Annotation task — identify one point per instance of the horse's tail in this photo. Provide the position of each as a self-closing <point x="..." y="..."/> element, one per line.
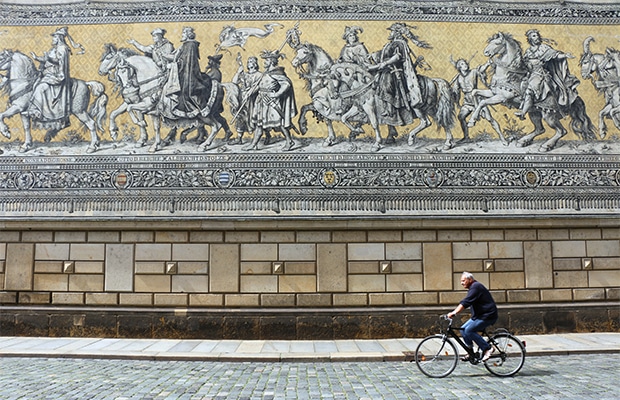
<point x="232" y="95"/>
<point x="98" y="110"/>
<point x="445" y="113"/>
<point x="580" y="122"/>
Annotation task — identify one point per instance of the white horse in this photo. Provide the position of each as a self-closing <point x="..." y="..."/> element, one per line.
<point x="340" y="92"/>
<point x="604" y="72"/>
<point x="19" y="85"/>
<point x="139" y="80"/>
<point x="505" y="88"/>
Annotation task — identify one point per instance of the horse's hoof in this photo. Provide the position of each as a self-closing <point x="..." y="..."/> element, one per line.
<point x="289" y="146"/>
<point x="92" y="148"/>
<point x="206" y="146"/>
<point x="236" y="140"/>
<point x="411" y="140"/>
<point x="523" y="143"/>
<point x="328" y="142"/>
<point x="376" y="147"/>
<point x="545" y="148"/>
<point x="465" y="140"/>
<point x="25" y="147"/>
<point x="7" y="134"/>
<point x="448" y="145"/>
<point x="155" y="147"/>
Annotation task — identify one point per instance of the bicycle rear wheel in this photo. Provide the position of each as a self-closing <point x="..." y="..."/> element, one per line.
<point x="436" y="356"/>
<point x="508" y="357"/>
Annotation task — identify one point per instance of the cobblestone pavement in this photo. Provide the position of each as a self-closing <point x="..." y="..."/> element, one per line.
<point x="546" y="377"/>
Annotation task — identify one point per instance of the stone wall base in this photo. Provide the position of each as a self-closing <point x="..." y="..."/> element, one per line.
<point x="291" y="324"/>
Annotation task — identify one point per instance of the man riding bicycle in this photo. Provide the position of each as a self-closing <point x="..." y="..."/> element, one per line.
<point x="483" y="313"/>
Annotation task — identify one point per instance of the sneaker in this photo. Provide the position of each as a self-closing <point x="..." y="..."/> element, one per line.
<point x="487" y="354"/>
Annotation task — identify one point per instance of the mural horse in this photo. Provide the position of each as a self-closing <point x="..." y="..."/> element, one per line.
<point x="139" y="80"/>
<point x="603" y="70"/>
<point x="19" y="84"/>
<point x="340" y="92"/>
<point x="506" y="88"/>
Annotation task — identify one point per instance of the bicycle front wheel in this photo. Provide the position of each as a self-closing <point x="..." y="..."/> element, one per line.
<point x="508" y="357"/>
<point x="436" y="356"/>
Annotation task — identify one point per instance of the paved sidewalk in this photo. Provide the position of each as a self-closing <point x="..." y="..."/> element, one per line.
<point x="277" y="350"/>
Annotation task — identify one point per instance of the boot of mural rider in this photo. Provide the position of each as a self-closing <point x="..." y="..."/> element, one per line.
<point x="525" y="106"/>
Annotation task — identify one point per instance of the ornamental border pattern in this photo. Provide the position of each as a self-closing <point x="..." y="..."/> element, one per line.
<point x="309" y="186"/>
<point x="180" y="10"/>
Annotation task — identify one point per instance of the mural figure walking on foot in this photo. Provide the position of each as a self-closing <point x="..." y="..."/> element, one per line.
<point x="466" y="81"/>
<point x="275" y="105"/>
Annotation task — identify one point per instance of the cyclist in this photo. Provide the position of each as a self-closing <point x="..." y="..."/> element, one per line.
<point x="483" y="314"/>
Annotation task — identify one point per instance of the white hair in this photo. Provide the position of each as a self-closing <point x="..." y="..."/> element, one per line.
<point x="468" y="275"/>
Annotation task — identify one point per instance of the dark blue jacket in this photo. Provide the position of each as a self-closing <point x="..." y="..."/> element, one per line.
<point x="481" y="302"/>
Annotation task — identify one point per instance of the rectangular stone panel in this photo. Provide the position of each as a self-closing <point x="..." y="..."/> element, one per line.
<point x="538" y="264"/>
<point x="224" y="268"/>
<point x="52" y="251"/>
<point x="190" y="252"/>
<point x="153" y="251"/>
<point x="403" y="251"/>
<point x="190" y="283"/>
<point x="470" y="250"/>
<point x="437" y="266"/>
<point x="331" y="267"/>
<point x="297" y="252"/>
<point x="19" y="266"/>
<point x="366" y="251"/>
<point x="87" y="252"/>
<point x="569" y="248"/>
<point x="297" y="284"/>
<point x="603" y="248"/>
<point x="259" y="252"/>
<point x="119" y="267"/>
<point x="259" y="284"/>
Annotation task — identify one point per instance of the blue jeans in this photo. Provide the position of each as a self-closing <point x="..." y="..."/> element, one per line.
<point x="471" y="329"/>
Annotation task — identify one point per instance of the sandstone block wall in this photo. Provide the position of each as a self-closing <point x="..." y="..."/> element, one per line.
<point x="248" y="267"/>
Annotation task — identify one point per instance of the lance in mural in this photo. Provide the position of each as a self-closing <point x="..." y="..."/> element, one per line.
<point x="466" y="82"/>
<point x="550" y="90"/>
<point x="603" y="70"/>
<point x="48" y="95"/>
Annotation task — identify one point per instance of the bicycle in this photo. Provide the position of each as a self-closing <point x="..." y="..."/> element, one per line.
<point x="437" y="356"/>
